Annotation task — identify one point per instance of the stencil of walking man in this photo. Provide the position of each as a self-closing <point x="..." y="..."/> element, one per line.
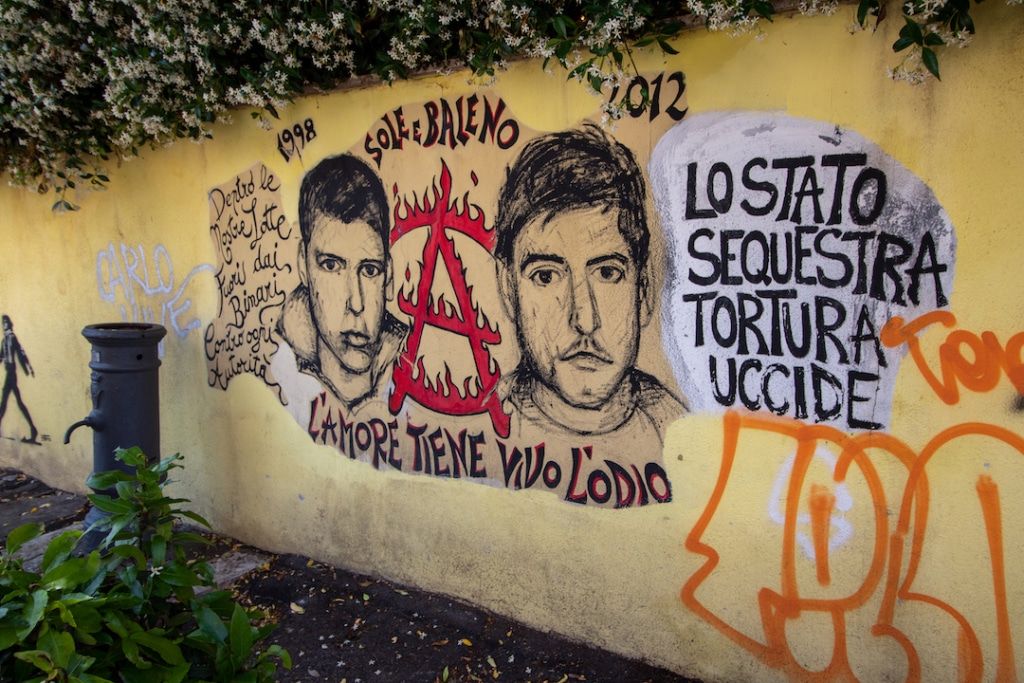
<point x="11" y="351"/>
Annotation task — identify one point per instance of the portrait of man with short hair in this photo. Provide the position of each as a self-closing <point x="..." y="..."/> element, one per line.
<point x="335" y="322"/>
<point x="575" y="277"/>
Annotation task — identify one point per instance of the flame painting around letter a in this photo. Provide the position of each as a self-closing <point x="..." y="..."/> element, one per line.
<point x="477" y="394"/>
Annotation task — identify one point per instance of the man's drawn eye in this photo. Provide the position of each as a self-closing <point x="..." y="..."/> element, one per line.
<point x="331" y="264"/>
<point x="609" y="273"/>
<point x="370" y="270"/>
<point x="543" y="277"/>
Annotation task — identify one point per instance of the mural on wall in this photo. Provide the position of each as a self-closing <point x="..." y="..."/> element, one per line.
<point x="255" y="248"/>
<point x="334" y="325"/>
<point x="804" y="264"/>
<point x="573" y="248"/>
<point x="460" y="296"/>
<point x="141" y="284"/>
<point x="14" y="355"/>
<point x="436" y="309"/>
<point x="793" y="243"/>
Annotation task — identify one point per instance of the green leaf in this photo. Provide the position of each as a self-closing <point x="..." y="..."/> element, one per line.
<point x="210" y="624"/>
<point x="87" y="618"/>
<point x="72" y="572"/>
<point x="934" y="39"/>
<point x="558" y="22"/>
<point x="764" y="9"/>
<point x="129" y="551"/>
<point x="22" y="535"/>
<point x="125" y="489"/>
<point x="8" y="637"/>
<point x="902" y="44"/>
<point x="190" y="537"/>
<point x="116" y="622"/>
<point x="241" y="636"/>
<point x="89" y="678"/>
<point x="59" y="549"/>
<point x="72" y="599"/>
<point x="131" y="652"/>
<point x="110" y="505"/>
<point x="116" y="524"/>
<point x="913" y="30"/>
<point x="279" y="652"/>
<point x="102" y="481"/>
<point x="97" y="580"/>
<point x="65" y="614"/>
<point x="158" y="549"/>
<point x="220" y="601"/>
<point x="179" y="574"/>
<point x="666" y="47"/>
<point x="931" y="61"/>
<point x="37" y="658"/>
<point x="59" y="645"/>
<point x="33" y="611"/>
<point x="133" y="456"/>
<point x="176" y="674"/>
<point x="129" y="577"/>
<point x="195" y="517"/>
<point x="164" y="529"/>
<point x="167" y="650"/>
<point x="78" y="664"/>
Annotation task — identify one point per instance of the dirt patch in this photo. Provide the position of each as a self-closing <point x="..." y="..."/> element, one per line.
<point x="343" y="626"/>
<point x="24" y="499"/>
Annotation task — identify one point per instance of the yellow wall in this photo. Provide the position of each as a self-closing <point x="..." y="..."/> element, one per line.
<point x="925" y="581"/>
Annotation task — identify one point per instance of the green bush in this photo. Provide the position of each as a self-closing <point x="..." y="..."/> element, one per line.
<point x="86" y="84"/>
<point x="130" y="610"/>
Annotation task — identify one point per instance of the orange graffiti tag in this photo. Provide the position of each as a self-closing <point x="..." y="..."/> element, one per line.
<point x="887" y="570"/>
<point x="979" y="369"/>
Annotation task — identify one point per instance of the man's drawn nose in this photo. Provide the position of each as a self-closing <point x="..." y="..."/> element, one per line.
<point x="355" y="294"/>
<point x="584" y="316"/>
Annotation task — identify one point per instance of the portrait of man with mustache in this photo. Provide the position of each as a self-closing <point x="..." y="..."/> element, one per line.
<point x="335" y="323"/>
<point x="574" y="274"/>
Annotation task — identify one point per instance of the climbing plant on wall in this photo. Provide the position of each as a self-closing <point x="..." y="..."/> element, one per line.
<point x="89" y="82"/>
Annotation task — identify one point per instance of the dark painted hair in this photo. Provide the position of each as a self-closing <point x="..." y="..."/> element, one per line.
<point x="345" y="188"/>
<point x="568" y="171"/>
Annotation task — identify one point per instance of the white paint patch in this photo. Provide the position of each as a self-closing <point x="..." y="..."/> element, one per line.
<point x="840" y="529"/>
<point x="143" y="289"/>
<point x="791" y="243"/>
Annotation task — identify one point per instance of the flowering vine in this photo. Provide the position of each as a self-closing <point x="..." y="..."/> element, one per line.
<point x="88" y="82"/>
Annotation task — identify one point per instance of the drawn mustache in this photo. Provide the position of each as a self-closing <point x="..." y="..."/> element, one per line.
<point x="586" y="347"/>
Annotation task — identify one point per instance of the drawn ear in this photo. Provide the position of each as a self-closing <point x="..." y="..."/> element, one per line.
<point x="303" y="274"/>
<point x="506" y="290"/>
<point x="646" y="293"/>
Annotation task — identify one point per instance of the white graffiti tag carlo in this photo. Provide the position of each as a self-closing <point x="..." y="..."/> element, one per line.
<point x="792" y="243"/>
<point x="144" y="289"/>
